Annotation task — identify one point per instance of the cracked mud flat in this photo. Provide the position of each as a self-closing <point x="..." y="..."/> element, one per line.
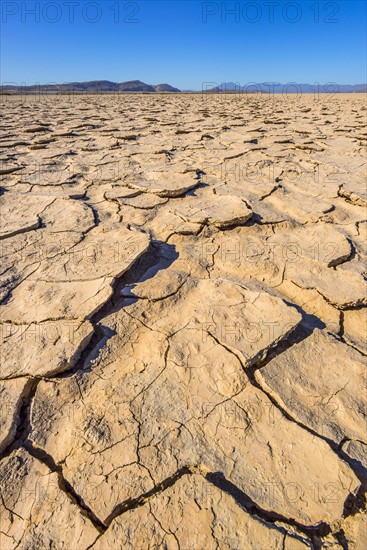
<point x="183" y="322"/>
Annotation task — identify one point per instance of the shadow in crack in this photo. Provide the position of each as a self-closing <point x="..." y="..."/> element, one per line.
<point x="360" y="469"/>
<point x="301" y="332"/>
<point x="309" y="321"/>
<point x="219" y="480"/>
<point x="99" y="339"/>
<point x="158" y="256"/>
<point x="192" y="192"/>
<point x="166" y="255"/>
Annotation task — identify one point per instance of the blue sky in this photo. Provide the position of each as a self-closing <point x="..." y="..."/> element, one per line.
<point x="184" y="43"/>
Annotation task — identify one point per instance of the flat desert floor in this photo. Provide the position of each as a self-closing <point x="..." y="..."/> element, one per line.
<point x="183" y="321"/>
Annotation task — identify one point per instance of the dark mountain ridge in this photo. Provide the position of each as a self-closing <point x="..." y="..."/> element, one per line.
<point x="94" y="86"/>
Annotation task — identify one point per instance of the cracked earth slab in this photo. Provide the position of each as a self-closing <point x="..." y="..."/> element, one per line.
<point x="354" y="192"/>
<point x="216" y="211"/>
<point x="329" y="400"/>
<point x="164" y="183"/>
<point x="33" y="505"/>
<point x="355" y="325"/>
<point x="41" y="349"/>
<point x="20" y="213"/>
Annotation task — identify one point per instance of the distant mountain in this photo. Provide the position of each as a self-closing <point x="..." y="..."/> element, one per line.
<point x="94" y="86"/>
<point x="165" y="88"/>
<point x="135" y="86"/>
<point x="289" y="88"/>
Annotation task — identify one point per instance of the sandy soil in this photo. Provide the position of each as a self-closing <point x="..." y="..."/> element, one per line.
<point x="183" y="316"/>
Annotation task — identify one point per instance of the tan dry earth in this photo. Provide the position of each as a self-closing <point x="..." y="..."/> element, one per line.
<point x="183" y="322"/>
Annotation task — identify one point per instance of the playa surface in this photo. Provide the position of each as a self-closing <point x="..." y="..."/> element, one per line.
<point x="183" y="321"/>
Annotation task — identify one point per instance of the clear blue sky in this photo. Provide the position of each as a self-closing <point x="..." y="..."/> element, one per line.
<point x="184" y="43"/>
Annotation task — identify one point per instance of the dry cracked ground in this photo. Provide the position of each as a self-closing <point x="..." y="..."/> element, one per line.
<point x="184" y="322"/>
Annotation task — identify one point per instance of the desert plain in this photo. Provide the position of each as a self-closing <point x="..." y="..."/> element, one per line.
<point x="183" y="322"/>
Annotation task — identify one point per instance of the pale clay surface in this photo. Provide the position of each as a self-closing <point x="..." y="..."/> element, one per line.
<point x="183" y="322"/>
